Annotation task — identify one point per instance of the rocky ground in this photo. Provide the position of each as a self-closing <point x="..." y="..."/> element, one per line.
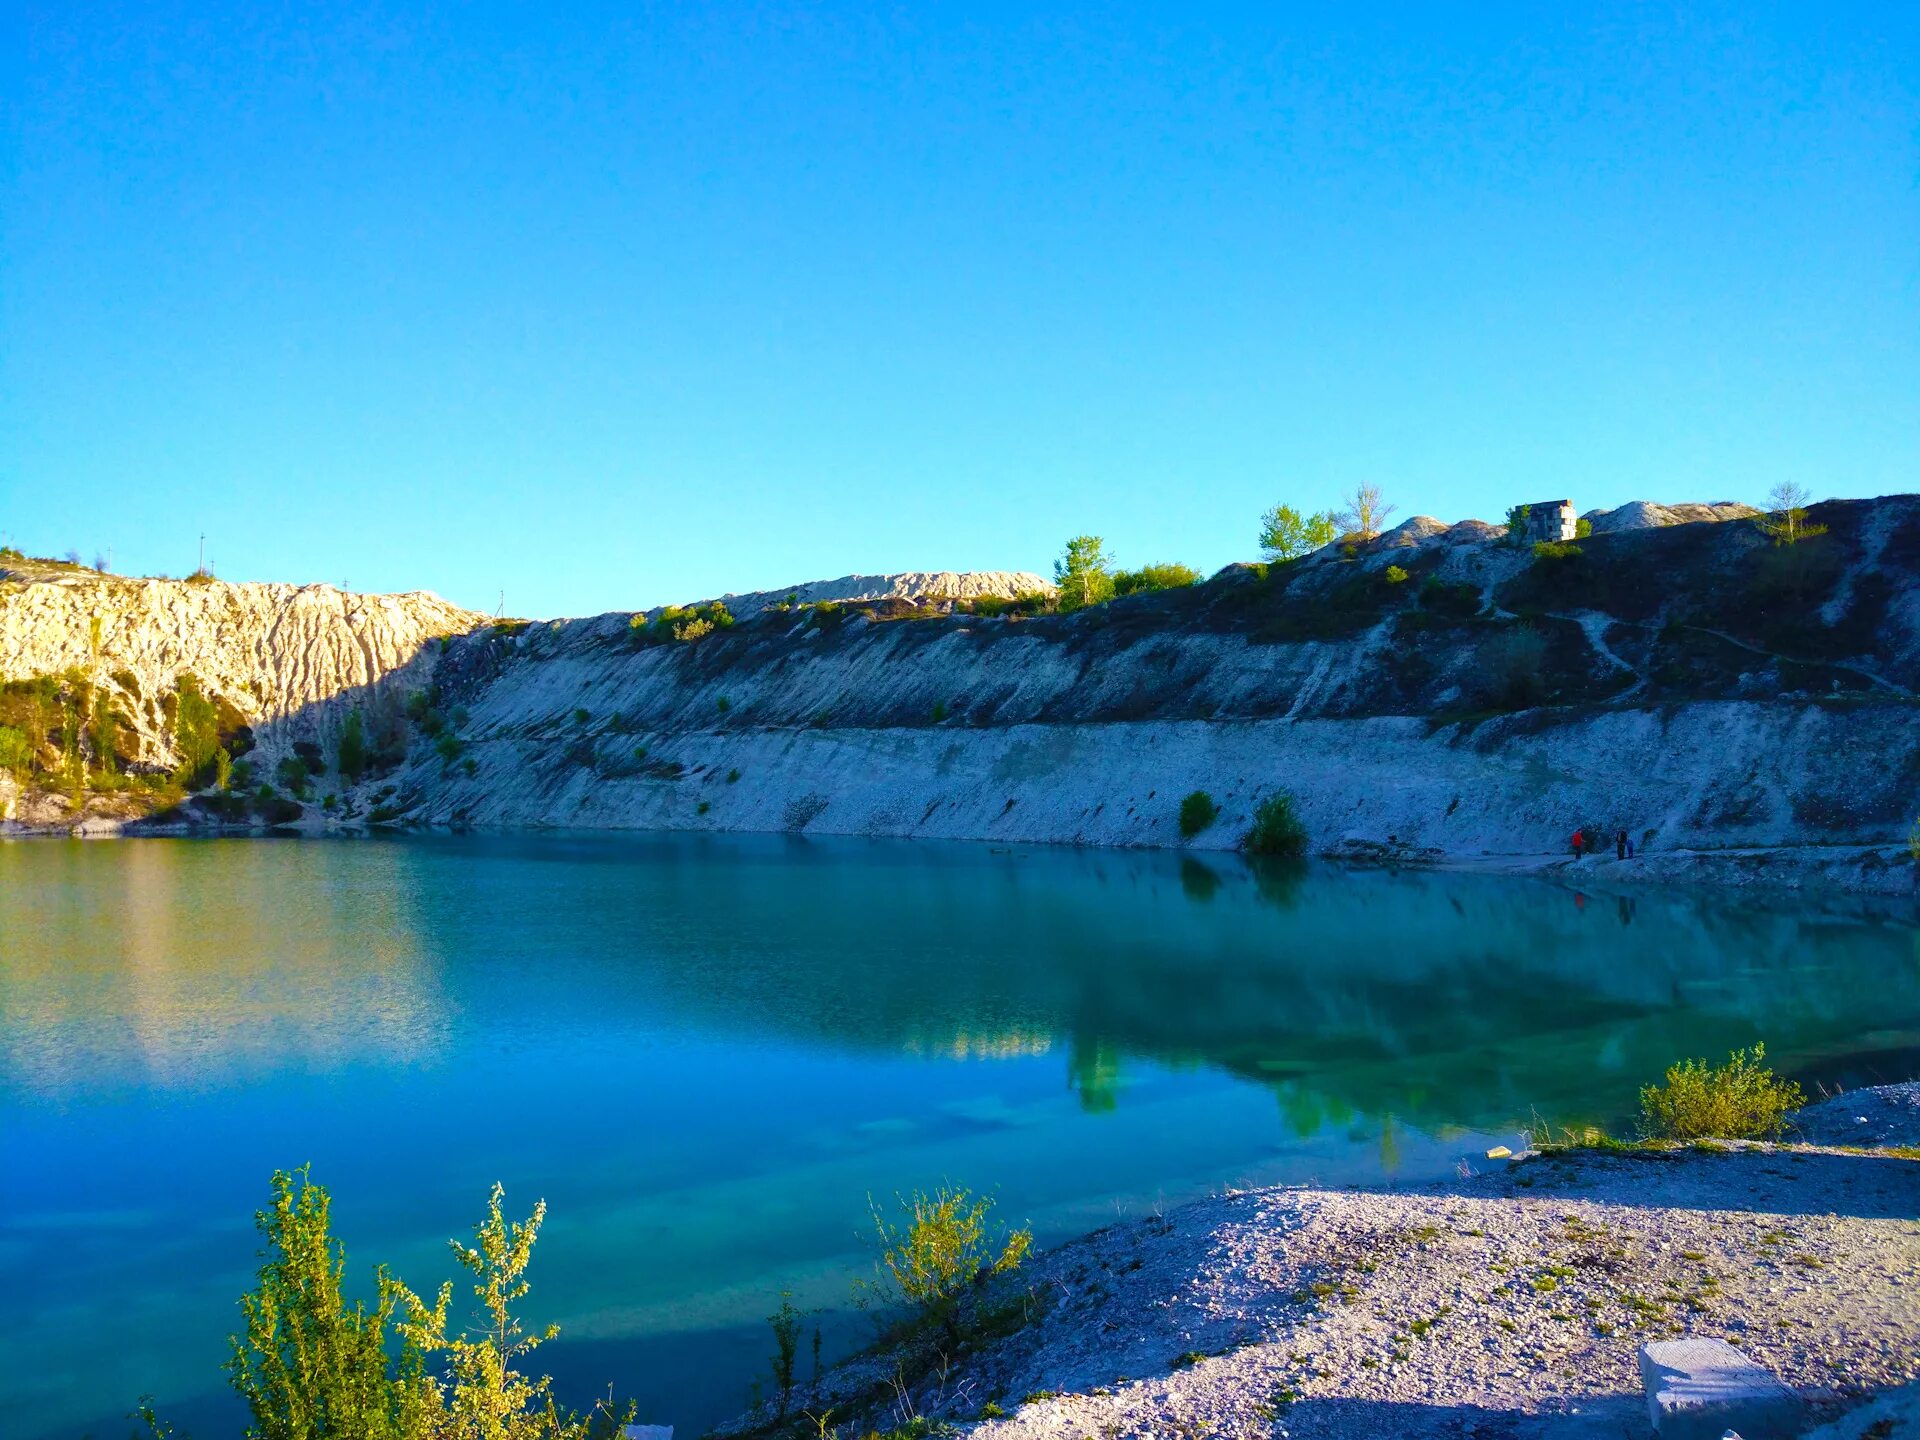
<point x="1508" y="1303"/>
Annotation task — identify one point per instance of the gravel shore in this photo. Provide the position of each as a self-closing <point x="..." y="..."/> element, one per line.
<point x="1508" y="1303"/>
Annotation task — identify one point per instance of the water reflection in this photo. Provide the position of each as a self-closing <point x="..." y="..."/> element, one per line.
<point x="705" y="1051"/>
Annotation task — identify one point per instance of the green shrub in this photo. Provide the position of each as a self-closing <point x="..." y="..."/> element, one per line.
<point x="1461" y="602"/>
<point x="1741" y="1100"/>
<point x="1552" y="552"/>
<point x="1513" y="668"/>
<point x="939" y="711"/>
<point x="1197" y="812"/>
<point x="309" y="1365"/>
<point x="351" y="755"/>
<point x="581" y="716"/>
<point x="1396" y="576"/>
<point x="785" y="1323"/>
<point x="939" y="1246"/>
<point x="196" y="731"/>
<point x="16" y="751"/>
<point x="275" y="809"/>
<point x="1277" y="828"/>
<point x="1155" y="577"/>
<point x="703" y="807"/>
<point x="677" y="622"/>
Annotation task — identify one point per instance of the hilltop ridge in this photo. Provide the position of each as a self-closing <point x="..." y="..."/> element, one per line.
<point x="1439" y="690"/>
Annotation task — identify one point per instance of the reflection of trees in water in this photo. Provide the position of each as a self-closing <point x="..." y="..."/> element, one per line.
<point x="1442" y="999"/>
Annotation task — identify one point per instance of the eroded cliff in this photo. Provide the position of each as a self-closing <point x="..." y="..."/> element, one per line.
<point x="1437" y="689"/>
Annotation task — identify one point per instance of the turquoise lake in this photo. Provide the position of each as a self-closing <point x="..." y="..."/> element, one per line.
<point x="706" y="1052"/>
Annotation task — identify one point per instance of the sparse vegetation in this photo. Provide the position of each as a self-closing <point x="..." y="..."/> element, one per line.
<point x="1277" y="828"/>
<point x="1197" y="812"/>
<point x="1083" y="574"/>
<point x="1741" y="1100"/>
<point x="786" y="1339"/>
<point x="1366" y="514"/>
<point x="1154" y="577"/>
<point x="1513" y="668"/>
<point x="310" y="1366"/>
<point x="684" y="623"/>
<point x="351" y="756"/>
<point x="938" y="1246"/>
<point x="1286" y="534"/>
<point x="1786" y="518"/>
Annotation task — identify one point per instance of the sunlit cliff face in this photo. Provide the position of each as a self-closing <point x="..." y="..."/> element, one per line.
<point x="173" y="977"/>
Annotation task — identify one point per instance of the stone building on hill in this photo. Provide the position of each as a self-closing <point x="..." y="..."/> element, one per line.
<point x="1550" y="520"/>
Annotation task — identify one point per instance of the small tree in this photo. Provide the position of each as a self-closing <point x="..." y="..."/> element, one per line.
<point x="1786" y="520"/>
<point x="1286" y="534"/>
<point x="1084" y="573"/>
<point x="352" y="755"/>
<point x="786" y="1340"/>
<point x="942" y="1248"/>
<point x="310" y="1367"/>
<point x="490" y="1399"/>
<point x="196" y="729"/>
<point x="1366" y="514"/>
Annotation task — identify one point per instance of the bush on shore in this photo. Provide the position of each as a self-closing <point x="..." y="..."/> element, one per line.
<point x="938" y="1248"/>
<point x="1277" y="828"/>
<point x="311" y="1366"/>
<point x="1741" y="1100"/>
<point x="1197" y="812"/>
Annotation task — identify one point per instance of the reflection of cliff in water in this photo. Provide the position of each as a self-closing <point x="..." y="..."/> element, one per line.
<point x="1441" y="998"/>
<point x="206" y="961"/>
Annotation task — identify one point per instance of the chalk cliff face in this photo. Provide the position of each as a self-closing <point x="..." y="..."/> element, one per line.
<point x="287" y="660"/>
<point x="1692" y="683"/>
<point x="1437" y="689"/>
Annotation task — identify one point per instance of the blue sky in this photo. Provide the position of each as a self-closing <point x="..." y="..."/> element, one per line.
<point x="602" y="307"/>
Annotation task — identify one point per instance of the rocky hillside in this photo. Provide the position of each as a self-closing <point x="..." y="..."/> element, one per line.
<point x="1439" y="688"/>
<point x="92" y="670"/>
<point x="1676" y="673"/>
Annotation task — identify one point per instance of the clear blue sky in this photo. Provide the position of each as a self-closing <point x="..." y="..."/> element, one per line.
<point x="610" y="306"/>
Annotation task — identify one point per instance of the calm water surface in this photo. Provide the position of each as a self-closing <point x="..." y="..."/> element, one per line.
<point x="706" y="1052"/>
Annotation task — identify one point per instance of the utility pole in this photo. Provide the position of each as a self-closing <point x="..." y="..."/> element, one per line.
<point x="202" y="568"/>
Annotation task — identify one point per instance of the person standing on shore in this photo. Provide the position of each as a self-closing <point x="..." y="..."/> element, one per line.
<point x="1620" y="844"/>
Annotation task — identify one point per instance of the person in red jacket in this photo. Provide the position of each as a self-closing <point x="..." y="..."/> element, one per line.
<point x="1579" y="843"/>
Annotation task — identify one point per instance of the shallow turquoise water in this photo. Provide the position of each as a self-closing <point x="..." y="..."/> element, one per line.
<point x="705" y="1053"/>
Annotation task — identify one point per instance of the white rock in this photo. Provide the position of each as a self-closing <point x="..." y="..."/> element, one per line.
<point x="1698" y="1389"/>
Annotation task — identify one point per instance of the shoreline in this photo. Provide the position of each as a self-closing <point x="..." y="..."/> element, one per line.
<point x="1506" y="1303"/>
<point x="1884" y="870"/>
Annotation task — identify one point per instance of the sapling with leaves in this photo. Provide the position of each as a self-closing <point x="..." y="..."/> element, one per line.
<point x="939" y="1246"/>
